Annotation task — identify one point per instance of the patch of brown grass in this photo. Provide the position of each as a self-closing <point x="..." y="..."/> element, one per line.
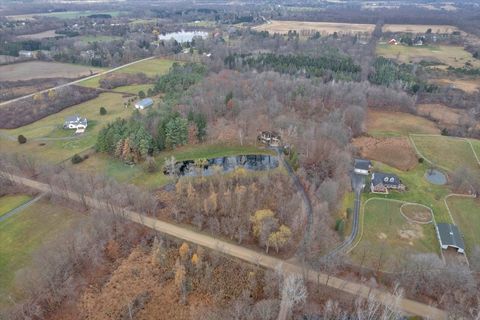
<point x="444" y="115"/>
<point x="386" y="123"/>
<point x="418" y="28"/>
<point x="394" y="151"/>
<point x="467" y="85"/>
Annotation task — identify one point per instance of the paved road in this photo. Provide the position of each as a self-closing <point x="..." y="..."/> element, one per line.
<point x="21" y="207"/>
<point x="76" y="81"/>
<point x="251" y="256"/>
<point x="358" y="181"/>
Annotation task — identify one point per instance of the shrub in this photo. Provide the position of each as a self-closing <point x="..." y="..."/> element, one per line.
<point x="421" y="160"/>
<point x="349" y="212"/>
<point x="444" y="132"/>
<point x="21" y="139"/>
<point x="76" y="159"/>
<point x="103" y="111"/>
<point x="141" y="94"/>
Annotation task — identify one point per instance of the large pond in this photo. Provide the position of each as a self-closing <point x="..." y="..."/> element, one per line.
<point x="183" y="36"/>
<point x="436" y="177"/>
<point x="224" y="164"/>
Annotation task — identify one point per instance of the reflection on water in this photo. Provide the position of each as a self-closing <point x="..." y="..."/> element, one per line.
<point x="183" y="36"/>
<point x="224" y="164"/>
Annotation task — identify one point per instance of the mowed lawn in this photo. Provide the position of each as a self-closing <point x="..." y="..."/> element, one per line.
<point x="151" y="68"/>
<point x="388" y="238"/>
<point x="10" y="202"/>
<point x="446" y="152"/>
<point x="22" y="233"/>
<point x="385" y="123"/>
<point x="455" y="56"/>
<point x="466" y="213"/>
<point x="135" y="174"/>
<point x="51" y="128"/>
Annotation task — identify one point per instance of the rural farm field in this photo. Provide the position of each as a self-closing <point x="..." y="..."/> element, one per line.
<point x="10" y="202"/>
<point x="41" y="69"/>
<point x="454" y="56"/>
<point x="283" y="27"/>
<point x="418" y="28"/>
<point x="22" y="233"/>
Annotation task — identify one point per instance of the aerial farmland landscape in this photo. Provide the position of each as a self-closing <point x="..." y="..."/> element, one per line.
<point x="291" y="159"/>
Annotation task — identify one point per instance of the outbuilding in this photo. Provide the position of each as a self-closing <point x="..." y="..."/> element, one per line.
<point x="145" y="103"/>
<point x="449" y="237"/>
<point x="362" y="166"/>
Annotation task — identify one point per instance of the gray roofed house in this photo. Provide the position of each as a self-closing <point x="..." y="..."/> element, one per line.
<point x="362" y="166"/>
<point x="449" y="236"/>
<point x="382" y="182"/>
<point x="145" y="103"/>
<point x="73" y="122"/>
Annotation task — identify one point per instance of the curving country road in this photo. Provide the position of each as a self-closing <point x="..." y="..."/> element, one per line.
<point x="259" y="258"/>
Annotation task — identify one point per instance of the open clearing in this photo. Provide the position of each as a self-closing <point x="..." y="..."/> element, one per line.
<point x="96" y="38"/>
<point x="385" y="123"/>
<point x="10" y="202"/>
<point x="40" y="35"/>
<point x="50" y="131"/>
<point x="416" y="213"/>
<point x="446" y="152"/>
<point x="418" y="28"/>
<point x="467" y="85"/>
<point x="21" y="234"/>
<point x="276" y="26"/>
<point x="466" y="213"/>
<point x="454" y="56"/>
<point x="151" y="68"/>
<point x="388" y="238"/>
<point x="41" y="69"/>
<point x="394" y="151"/>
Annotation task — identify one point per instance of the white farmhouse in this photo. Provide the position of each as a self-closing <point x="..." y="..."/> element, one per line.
<point x="76" y="122"/>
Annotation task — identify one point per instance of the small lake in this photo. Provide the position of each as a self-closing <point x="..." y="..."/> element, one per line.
<point x="183" y="36"/>
<point x="436" y="177"/>
<point x="208" y="167"/>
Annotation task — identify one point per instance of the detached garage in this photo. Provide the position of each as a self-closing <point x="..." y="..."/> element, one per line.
<point x="449" y="236"/>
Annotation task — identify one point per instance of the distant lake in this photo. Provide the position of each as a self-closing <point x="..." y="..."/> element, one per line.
<point x="183" y="36"/>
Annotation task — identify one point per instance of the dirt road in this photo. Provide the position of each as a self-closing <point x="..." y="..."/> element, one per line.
<point x="251" y="256"/>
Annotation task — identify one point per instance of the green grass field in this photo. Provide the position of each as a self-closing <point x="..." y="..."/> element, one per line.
<point x="455" y="56"/>
<point x="466" y="213"/>
<point x="22" y="233"/>
<point x="134" y="89"/>
<point x="394" y="124"/>
<point x="388" y="237"/>
<point x="51" y="127"/>
<point x="151" y="68"/>
<point x="446" y="152"/>
<point x="10" y="202"/>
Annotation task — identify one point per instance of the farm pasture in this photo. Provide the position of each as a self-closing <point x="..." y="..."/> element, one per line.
<point x="455" y="56"/>
<point x="442" y="114"/>
<point x="283" y="27"/>
<point x="467" y="85"/>
<point x="385" y="123"/>
<point x="42" y="69"/>
<point x="24" y="232"/>
<point x="388" y="238"/>
<point x="61" y="15"/>
<point x="394" y="151"/>
<point x="446" y="152"/>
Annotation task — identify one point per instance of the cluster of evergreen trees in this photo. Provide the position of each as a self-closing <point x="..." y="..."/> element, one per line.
<point x="387" y="73"/>
<point x="341" y="66"/>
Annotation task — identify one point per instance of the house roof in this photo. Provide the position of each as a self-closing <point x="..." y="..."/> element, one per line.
<point x="76" y="119"/>
<point x="450" y="235"/>
<point x="147" y="102"/>
<point x="362" y="164"/>
<point x="385" y="178"/>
